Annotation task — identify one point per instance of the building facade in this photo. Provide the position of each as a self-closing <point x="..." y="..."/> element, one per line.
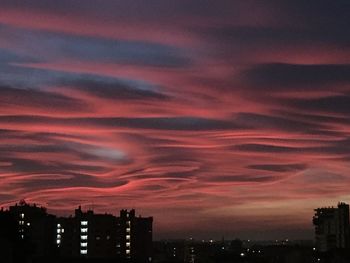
<point x="87" y="235"/>
<point x="332" y="227"/>
<point x="135" y="236"/>
<point x="93" y="235"/>
<point x="35" y="228"/>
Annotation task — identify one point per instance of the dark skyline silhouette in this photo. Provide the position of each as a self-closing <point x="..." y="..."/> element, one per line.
<point x="28" y="233"/>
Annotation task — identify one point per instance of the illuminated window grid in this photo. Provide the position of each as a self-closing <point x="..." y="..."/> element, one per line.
<point x="84" y="237"/>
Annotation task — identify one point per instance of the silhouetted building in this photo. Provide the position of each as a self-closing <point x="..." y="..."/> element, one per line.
<point x="35" y="228"/>
<point x="28" y="232"/>
<point x="90" y="235"/>
<point x="135" y="236"/>
<point x="332" y="227"/>
<point x="87" y="235"/>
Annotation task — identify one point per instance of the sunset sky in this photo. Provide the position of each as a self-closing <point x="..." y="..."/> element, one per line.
<point x="219" y="118"/>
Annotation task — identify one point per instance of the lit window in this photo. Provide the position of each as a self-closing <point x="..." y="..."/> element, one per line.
<point x="28" y="224"/>
<point x="21" y="222"/>
<point x="84" y="244"/>
<point x="62" y="230"/>
<point x="128" y="244"/>
<point x="83" y="251"/>
<point x="83" y="230"/>
<point x="128" y="237"/>
<point x="83" y="237"/>
<point x="128" y="251"/>
<point x="84" y="223"/>
<point x="58" y="241"/>
<point x="128" y="230"/>
<point x="58" y="225"/>
<point x="108" y="237"/>
<point x="21" y="215"/>
<point x="58" y="236"/>
<point x="58" y="231"/>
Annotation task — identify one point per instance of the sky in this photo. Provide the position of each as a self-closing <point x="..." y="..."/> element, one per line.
<point x="218" y="118"/>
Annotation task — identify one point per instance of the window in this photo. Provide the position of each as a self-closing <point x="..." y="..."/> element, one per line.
<point x="83" y="251"/>
<point x="83" y="237"/>
<point x="83" y="230"/>
<point x="128" y="251"/>
<point x="85" y="244"/>
<point x="21" y="215"/>
<point x="84" y="223"/>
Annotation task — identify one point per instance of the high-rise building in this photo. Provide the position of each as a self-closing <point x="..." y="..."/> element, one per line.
<point x="135" y="236"/>
<point x="93" y="235"/>
<point x="332" y="227"/>
<point x="35" y="227"/>
<point x="87" y="235"/>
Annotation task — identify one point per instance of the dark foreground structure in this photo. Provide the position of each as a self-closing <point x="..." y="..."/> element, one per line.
<point x="332" y="233"/>
<point x="332" y="228"/>
<point x="29" y="234"/>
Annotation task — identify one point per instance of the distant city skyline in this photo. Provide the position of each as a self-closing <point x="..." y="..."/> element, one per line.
<point x="223" y="118"/>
